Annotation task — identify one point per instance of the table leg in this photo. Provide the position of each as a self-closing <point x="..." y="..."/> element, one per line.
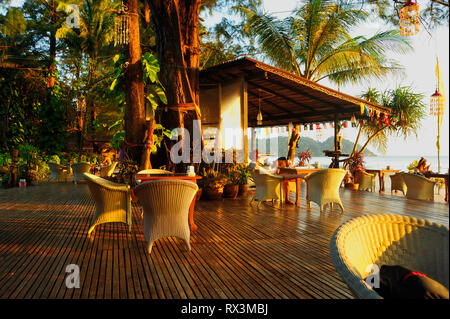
<point x="191" y="215"/>
<point x="381" y="180"/>
<point x="297" y="191"/>
<point x="446" y="189"/>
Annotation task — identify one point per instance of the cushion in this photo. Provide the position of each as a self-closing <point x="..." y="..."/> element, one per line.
<point x="398" y="282"/>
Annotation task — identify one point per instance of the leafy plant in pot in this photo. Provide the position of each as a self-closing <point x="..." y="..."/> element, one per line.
<point x="213" y="183"/>
<point x="304" y="157"/>
<point x="231" y="189"/>
<point x="244" y="176"/>
<point x="356" y="166"/>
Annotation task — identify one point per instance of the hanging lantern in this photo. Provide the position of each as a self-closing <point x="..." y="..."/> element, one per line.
<point x="319" y="134"/>
<point x="324" y="125"/>
<point x="437" y="104"/>
<point x="409" y="19"/>
<point x="305" y="127"/>
<point x="121" y="26"/>
<point x="259" y="117"/>
<point x="311" y="126"/>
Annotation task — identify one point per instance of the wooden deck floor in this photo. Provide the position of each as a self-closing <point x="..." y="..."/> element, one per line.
<point x="237" y="252"/>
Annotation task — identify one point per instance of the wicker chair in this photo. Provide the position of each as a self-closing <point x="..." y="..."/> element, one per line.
<point x="166" y="206"/>
<point x="107" y="170"/>
<point x="78" y="170"/>
<point x="366" y="181"/>
<point x="398" y="183"/>
<point x="112" y="201"/>
<point x="58" y="172"/>
<point x="387" y="239"/>
<point x="322" y="187"/>
<point x="268" y="186"/>
<point x="418" y="187"/>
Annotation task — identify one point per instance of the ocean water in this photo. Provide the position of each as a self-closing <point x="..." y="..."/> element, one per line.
<point x="378" y="162"/>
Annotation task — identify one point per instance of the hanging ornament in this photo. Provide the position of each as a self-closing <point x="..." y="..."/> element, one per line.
<point x="361" y="108"/>
<point x="437" y="104"/>
<point x="121" y="26"/>
<point x="332" y="125"/>
<point x="305" y="127"/>
<point x="344" y="124"/>
<point x="259" y="117"/>
<point x="311" y="127"/>
<point x="319" y="135"/>
<point x="353" y="121"/>
<point x="324" y="125"/>
<point x="409" y="19"/>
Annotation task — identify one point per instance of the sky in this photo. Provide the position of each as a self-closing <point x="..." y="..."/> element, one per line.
<point x="419" y="74"/>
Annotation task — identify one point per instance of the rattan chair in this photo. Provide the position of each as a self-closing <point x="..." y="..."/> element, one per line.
<point x="386" y="239"/>
<point x="58" y="172"/>
<point x="366" y="181"/>
<point x="268" y="186"/>
<point x="166" y="206"/>
<point x="107" y="170"/>
<point x="78" y="170"/>
<point x="322" y="187"/>
<point x="418" y="187"/>
<point x="398" y="183"/>
<point x="112" y="201"/>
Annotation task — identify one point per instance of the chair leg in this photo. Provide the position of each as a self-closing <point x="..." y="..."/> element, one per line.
<point x="188" y="245"/>
<point x="308" y="204"/>
<point x="149" y="247"/>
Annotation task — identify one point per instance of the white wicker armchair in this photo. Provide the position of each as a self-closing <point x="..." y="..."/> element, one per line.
<point x="107" y="170"/>
<point x="386" y="239"/>
<point x="322" y="187"/>
<point x="58" y="172"/>
<point x="78" y="170"/>
<point x="268" y="186"/>
<point x="418" y="187"/>
<point x="166" y="208"/>
<point x="398" y="183"/>
<point x="112" y="201"/>
<point x="366" y="181"/>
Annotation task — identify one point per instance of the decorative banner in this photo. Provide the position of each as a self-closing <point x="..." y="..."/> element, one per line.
<point x="361" y="108"/>
<point x="324" y="125"/>
<point x="267" y="131"/>
<point x="332" y="125"/>
<point x="344" y="124"/>
<point x="318" y="126"/>
<point x="311" y="127"/>
<point x="377" y="113"/>
<point x="305" y="127"/>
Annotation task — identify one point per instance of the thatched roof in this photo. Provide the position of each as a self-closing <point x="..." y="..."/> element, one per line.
<point x="285" y="97"/>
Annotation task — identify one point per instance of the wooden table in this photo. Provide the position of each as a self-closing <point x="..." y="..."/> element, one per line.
<point x="439" y="175"/>
<point x="381" y="175"/>
<point x="153" y="177"/>
<point x="297" y="174"/>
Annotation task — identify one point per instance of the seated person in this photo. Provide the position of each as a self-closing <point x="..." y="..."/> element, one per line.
<point x="422" y="166"/>
<point x="282" y="162"/>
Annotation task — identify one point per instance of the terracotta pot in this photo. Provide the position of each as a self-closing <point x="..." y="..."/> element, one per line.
<point x="243" y="189"/>
<point x="213" y="193"/>
<point x="230" y="191"/>
<point x="352" y="186"/>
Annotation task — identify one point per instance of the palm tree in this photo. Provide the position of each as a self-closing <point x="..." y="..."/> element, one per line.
<point x="408" y="110"/>
<point x="315" y="42"/>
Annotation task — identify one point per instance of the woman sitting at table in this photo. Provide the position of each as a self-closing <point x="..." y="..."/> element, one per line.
<point x="282" y="162"/>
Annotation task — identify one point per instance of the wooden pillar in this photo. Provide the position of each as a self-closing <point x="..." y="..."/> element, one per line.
<point x="336" y="132"/>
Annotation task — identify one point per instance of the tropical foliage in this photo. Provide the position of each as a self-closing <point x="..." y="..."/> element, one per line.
<point x="316" y="42"/>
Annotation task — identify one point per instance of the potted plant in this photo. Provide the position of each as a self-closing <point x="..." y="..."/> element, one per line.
<point x="231" y="189"/>
<point x="356" y="166"/>
<point x="244" y="176"/>
<point x="213" y="183"/>
<point x="304" y="157"/>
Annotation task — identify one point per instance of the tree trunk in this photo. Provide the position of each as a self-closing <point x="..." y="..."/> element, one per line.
<point x="52" y="67"/>
<point x="293" y="143"/>
<point x="176" y="24"/>
<point x="135" y="108"/>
